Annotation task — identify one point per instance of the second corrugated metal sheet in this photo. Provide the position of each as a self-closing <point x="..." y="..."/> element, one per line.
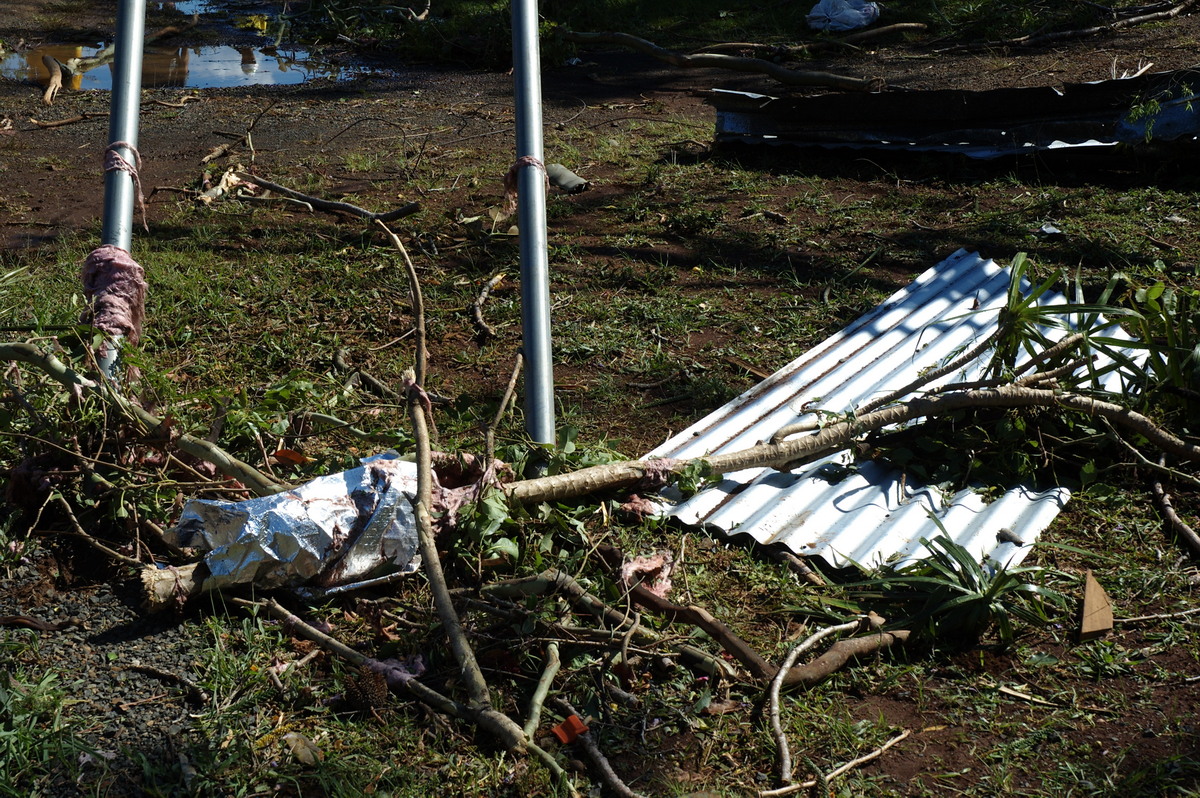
<point x="868" y="514"/>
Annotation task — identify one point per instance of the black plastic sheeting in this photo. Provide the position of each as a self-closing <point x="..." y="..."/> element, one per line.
<point x="1160" y="107"/>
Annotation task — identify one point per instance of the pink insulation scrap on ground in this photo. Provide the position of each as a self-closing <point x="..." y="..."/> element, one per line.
<point x="653" y="572"/>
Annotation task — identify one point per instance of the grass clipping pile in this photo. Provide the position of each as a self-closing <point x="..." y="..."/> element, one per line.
<point x="108" y="441"/>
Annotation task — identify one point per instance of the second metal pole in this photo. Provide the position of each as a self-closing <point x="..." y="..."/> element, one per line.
<point x="531" y="221"/>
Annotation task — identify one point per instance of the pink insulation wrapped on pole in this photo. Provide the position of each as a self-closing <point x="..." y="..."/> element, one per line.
<point x="115" y="287"/>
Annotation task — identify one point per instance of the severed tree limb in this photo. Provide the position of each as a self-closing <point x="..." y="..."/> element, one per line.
<point x="329" y="205"/>
<point x="841" y="435"/>
<point x="1185" y="533"/>
<point x="789" y="77"/>
<point x="839" y="654"/>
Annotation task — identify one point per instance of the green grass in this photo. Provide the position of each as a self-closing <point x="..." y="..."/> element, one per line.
<point x="41" y="740"/>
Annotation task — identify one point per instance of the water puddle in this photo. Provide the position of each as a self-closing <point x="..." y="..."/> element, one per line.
<point x="184" y="67"/>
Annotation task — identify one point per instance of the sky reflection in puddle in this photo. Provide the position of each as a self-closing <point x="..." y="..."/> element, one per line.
<point x="184" y="67"/>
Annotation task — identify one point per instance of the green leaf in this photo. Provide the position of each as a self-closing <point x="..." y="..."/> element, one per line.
<point x="506" y="547"/>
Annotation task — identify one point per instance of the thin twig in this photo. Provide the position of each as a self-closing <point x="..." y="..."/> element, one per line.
<point x="782" y="74"/>
<point x="1186" y="535"/>
<point x="1145" y="461"/>
<point x="930" y="376"/>
<point x="1166" y="616"/>
<point x="477" y="306"/>
<point x="329" y="205"/>
<point x="418" y="302"/>
<point x="553" y="663"/>
<point x="853" y="763"/>
<point x="509" y="391"/>
<point x="79" y="532"/>
<point x="1032" y="39"/>
<point x="785" y="754"/>
<point x="227" y="464"/>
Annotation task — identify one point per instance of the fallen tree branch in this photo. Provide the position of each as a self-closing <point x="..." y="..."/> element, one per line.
<point x="758" y="667"/>
<point x="509" y="391"/>
<point x="84" y="117"/>
<point x="788" y="77"/>
<point x="1164" y="616"/>
<point x="785" y="755"/>
<point x="839" y="770"/>
<point x="1185" y="533"/>
<point x="226" y="463"/>
<point x="329" y="205"/>
<point x="841" y="435"/>
<point x="841" y="652"/>
<point x="78" y="531"/>
<point x="536" y="702"/>
<point x="1043" y="38"/>
<point x="485" y="718"/>
<point x="414" y="286"/>
<point x="597" y="757"/>
<point x="555" y="581"/>
<point x="485" y="329"/>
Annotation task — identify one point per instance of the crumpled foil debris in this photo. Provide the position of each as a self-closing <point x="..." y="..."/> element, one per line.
<point x="333" y="530"/>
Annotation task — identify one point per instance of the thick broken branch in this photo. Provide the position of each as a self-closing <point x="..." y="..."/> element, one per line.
<point x="1185" y="533"/>
<point x="331" y="206"/>
<point x="789" y="77"/>
<point x="841" y="435"/>
<point x="55" y="84"/>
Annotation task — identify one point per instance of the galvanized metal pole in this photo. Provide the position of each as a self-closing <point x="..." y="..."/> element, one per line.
<point x="531" y="220"/>
<point x="125" y="105"/>
<point x="119" y="189"/>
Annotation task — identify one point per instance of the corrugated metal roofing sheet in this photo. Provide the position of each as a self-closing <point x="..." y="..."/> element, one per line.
<point x="874" y="515"/>
<point x="980" y="124"/>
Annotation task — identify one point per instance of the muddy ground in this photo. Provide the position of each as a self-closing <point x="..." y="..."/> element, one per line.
<point x="50" y="184"/>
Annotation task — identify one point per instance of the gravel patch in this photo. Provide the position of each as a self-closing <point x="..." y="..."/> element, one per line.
<point x="132" y="675"/>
